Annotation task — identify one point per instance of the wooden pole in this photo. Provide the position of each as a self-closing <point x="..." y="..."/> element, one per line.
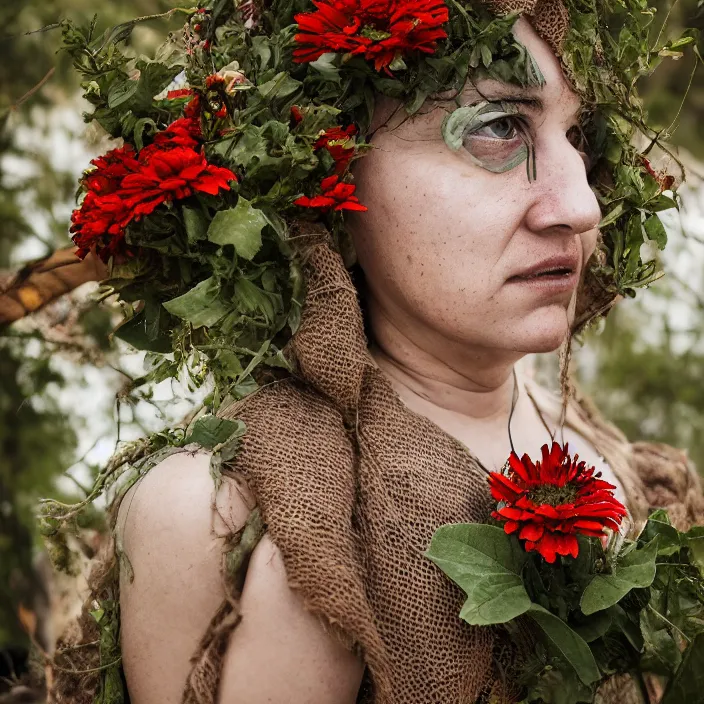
<point x="42" y="281"/>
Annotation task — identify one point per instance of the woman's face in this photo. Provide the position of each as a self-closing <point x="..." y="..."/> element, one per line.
<point x="475" y="256"/>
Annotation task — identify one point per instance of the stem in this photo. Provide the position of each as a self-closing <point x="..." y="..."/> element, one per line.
<point x="36" y="88"/>
<point x="664" y="23"/>
<point x="670" y="129"/>
<point x="90" y="671"/>
<point x="668" y="622"/>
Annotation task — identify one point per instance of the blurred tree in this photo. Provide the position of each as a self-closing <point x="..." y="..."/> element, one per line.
<point x="663" y="92"/>
<point x="645" y="366"/>
<point x="37" y="441"/>
<point x="650" y="385"/>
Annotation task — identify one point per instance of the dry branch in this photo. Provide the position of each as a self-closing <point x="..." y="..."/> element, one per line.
<point x="42" y="281"/>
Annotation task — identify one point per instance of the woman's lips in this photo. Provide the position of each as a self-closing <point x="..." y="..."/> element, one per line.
<point x="552" y="281"/>
<point x="555" y="274"/>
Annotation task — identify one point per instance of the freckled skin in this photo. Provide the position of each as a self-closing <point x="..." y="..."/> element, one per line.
<point x="435" y="212"/>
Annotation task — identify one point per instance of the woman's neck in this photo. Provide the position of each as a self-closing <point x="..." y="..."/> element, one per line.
<point x="467" y="392"/>
<point x="454" y="378"/>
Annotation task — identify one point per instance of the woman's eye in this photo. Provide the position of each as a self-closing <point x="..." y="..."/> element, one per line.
<point x="499" y="145"/>
<point x="504" y="128"/>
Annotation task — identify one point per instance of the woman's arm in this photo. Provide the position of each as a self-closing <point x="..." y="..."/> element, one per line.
<point x="278" y="654"/>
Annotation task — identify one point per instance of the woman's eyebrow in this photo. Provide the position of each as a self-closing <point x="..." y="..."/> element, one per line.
<point x="533" y="103"/>
<point x="509" y="94"/>
<point x="499" y="92"/>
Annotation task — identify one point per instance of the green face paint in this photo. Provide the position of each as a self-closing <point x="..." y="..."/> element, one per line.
<point x="494" y="135"/>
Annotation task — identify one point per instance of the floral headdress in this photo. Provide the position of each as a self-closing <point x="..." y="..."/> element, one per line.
<point x="248" y="120"/>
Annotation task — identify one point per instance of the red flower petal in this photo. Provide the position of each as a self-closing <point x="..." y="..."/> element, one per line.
<point x="502" y="488"/>
<point x="532" y="532"/>
<point x="397" y="28"/>
<point x="336" y="196"/>
<point x="125" y="186"/>
<point x="511" y="527"/>
<point x="552" y="529"/>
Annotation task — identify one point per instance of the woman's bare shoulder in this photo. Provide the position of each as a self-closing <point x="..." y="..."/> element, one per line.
<point x="165" y="529"/>
<point x="177" y="500"/>
<point x="171" y="526"/>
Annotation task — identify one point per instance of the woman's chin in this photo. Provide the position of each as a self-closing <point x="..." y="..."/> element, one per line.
<point x="544" y="331"/>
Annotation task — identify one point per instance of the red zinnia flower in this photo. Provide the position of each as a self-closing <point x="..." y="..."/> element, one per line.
<point x="336" y="195"/>
<point x="339" y="143"/>
<point x="184" y="132"/>
<point x="110" y="169"/>
<point x="378" y="30"/>
<point x="125" y="186"/>
<point x="102" y="215"/>
<point x="171" y="175"/>
<point x="552" y="501"/>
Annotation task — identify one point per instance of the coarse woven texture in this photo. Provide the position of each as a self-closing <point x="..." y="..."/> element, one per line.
<point x="549" y="18"/>
<point x="670" y="481"/>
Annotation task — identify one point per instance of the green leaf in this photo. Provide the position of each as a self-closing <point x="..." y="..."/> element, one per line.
<point x="613" y="215"/>
<point x="153" y="78"/>
<point x="559" y="685"/>
<point x="635" y="569"/>
<point x="398" y="64"/>
<point x="658" y="525"/>
<point x="565" y="643"/>
<point x="196" y="224"/>
<point x="241" y="227"/>
<point x="465" y="119"/>
<point x="695" y="543"/>
<point x="487" y="564"/>
<point x="656" y="231"/>
<point x="144" y="124"/>
<point x="252" y="299"/>
<point x="121" y="91"/>
<point x="629" y="626"/>
<point x="209" y="431"/>
<point x="688" y="684"/>
<point x="325" y="65"/>
<point x="595" y="626"/>
<point x="261" y="49"/>
<point x="201" y="306"/>
<point x="661" y="654"/>
<point x="281" y="86"/>
<point x="136" y="332"/>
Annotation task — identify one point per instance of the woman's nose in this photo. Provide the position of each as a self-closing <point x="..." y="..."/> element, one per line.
<point x="562" y="196"/>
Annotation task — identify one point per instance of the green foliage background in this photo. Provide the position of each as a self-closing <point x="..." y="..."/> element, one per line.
<point x="644" y="372"/>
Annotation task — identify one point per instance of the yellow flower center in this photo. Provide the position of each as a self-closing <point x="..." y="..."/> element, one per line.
<point x="374" y="34"/>
<point x="553" y="495"/>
